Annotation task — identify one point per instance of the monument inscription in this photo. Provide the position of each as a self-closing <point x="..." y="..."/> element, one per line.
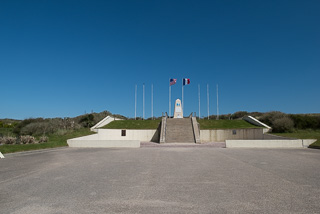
<point x="178" y="112"/>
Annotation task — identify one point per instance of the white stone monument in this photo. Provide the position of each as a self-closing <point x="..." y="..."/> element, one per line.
<point x="178" y="113"/>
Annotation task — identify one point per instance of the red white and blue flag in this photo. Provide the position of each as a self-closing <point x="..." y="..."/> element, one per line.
<point x="186" y="81"/>
<point x="173" y="81"/>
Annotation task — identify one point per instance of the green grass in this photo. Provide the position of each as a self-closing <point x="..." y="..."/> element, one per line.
<point x="304" y="134"/>
<point x="133" y="124"/>
<point x="225" y="124"/>
<point x="56" y="140"/>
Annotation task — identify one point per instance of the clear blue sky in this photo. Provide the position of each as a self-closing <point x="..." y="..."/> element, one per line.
<point x="63" y="58"/>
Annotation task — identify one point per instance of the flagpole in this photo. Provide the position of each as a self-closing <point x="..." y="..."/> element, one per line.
<point x="208" y="99"/>
<point x="143" y="102"/>
<point x="182" y="97"/>
<point x="152" y="101"/>
<point x="135" y="103"/>
<point x="217" y="103"/>
<point x="199" y="100"/>
<point x="169" y="99"/>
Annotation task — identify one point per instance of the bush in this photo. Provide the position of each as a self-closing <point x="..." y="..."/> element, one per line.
<point x="239" y="114"/>
<point x="87" y="120"/>
<point x="8" y="140"/>
<point x="40" y="128"/>
<point x="19" y="126"/>
<point x="305" y="121"/>
<point x="27" y="139"/>
<point x="284" y="124"/>
<point x="272" y="116"/>
<point x="43" y="139"/>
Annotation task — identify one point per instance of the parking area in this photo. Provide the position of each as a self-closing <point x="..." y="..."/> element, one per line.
<point x="161" y="180"/>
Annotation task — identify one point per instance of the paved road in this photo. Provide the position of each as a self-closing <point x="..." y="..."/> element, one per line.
<point x="161" y="180"/>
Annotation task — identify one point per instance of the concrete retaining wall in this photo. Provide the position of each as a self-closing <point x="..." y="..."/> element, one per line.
<point x="131" y="134"/>
<point x="219" y="135"/>
<point x="113" y="138"/>
<point x="93" y="141"/>
<point x="307" y="142"/>
<point x="296" y="143"/>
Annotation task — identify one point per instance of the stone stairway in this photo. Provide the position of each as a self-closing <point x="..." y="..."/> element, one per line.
<point x="179" y="130"/>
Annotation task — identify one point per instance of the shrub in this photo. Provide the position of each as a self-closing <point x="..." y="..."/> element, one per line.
<point x="22" y="124"/>
<point x="239" y="114"/>
<point x="305" y="121"/>
<point x="61" y="132"/>
<point x="40" y="128"/>
<point x="272" y="116"/>
<point x="87" y="120"/>
<point x="284" y="124"/>
<point x="8" y="140"/>
<point x="43" y="139"/>
<point x="27" y="139"/>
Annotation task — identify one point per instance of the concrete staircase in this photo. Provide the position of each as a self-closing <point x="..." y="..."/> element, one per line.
<point x="179" y="130"/>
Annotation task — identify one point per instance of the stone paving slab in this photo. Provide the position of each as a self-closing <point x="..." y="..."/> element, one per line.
<point x="166" y="180"/>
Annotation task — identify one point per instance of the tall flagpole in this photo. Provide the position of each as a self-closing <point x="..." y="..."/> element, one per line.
<point x="199" y="100"/>
<point x="143" y="102"/>
<point x="152" y="101"/>
<point x="208" y="99"/>
<point x="182" y="97"/>
<point x="217" y="103"/>
<point x="135" y="103"/>
<point x="169" y="99"/>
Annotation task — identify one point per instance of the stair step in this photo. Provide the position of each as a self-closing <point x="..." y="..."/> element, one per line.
<point x="179" y="130"/>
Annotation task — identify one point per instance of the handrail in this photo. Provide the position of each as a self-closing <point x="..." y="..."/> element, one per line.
<point x="163" y="128"/>
<point x="195" y="129"/>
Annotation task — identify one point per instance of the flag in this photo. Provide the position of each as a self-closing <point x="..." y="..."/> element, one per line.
<point x="173" y="81"/>
<point x="186" y="81"/>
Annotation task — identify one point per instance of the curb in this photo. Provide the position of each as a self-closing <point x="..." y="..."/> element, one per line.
<point x="35" y="151"/>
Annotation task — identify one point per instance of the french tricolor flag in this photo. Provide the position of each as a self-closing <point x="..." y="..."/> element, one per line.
<point x="186" y="81"/>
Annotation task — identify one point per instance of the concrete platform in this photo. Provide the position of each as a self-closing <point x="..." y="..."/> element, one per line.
<point x="166" y="180"/>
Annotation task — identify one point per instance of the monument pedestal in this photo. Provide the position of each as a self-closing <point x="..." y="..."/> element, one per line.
<point x="178" y="112"/>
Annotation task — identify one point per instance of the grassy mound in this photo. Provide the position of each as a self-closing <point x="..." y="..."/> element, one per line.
<point x="304" y="134"/>
<point x="133" y="124"/>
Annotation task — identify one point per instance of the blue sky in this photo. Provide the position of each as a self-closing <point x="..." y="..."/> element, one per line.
<point x="63" y="58"/>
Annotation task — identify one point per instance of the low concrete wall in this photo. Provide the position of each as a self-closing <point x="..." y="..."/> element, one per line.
<point x="218" y="135"/>
<point x="307" y="142"/>
<point x="295" y="143"/>
<point x="92" y="141"/>
<point x="131" y="134"/>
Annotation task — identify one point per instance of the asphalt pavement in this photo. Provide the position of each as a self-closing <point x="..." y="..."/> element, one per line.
<point x="161" y="180"/>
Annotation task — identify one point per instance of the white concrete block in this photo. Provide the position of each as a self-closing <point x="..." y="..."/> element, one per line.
<point x="264" y="143"/>
<point x="104" y="143"/>
<point x="307" y="142"/>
